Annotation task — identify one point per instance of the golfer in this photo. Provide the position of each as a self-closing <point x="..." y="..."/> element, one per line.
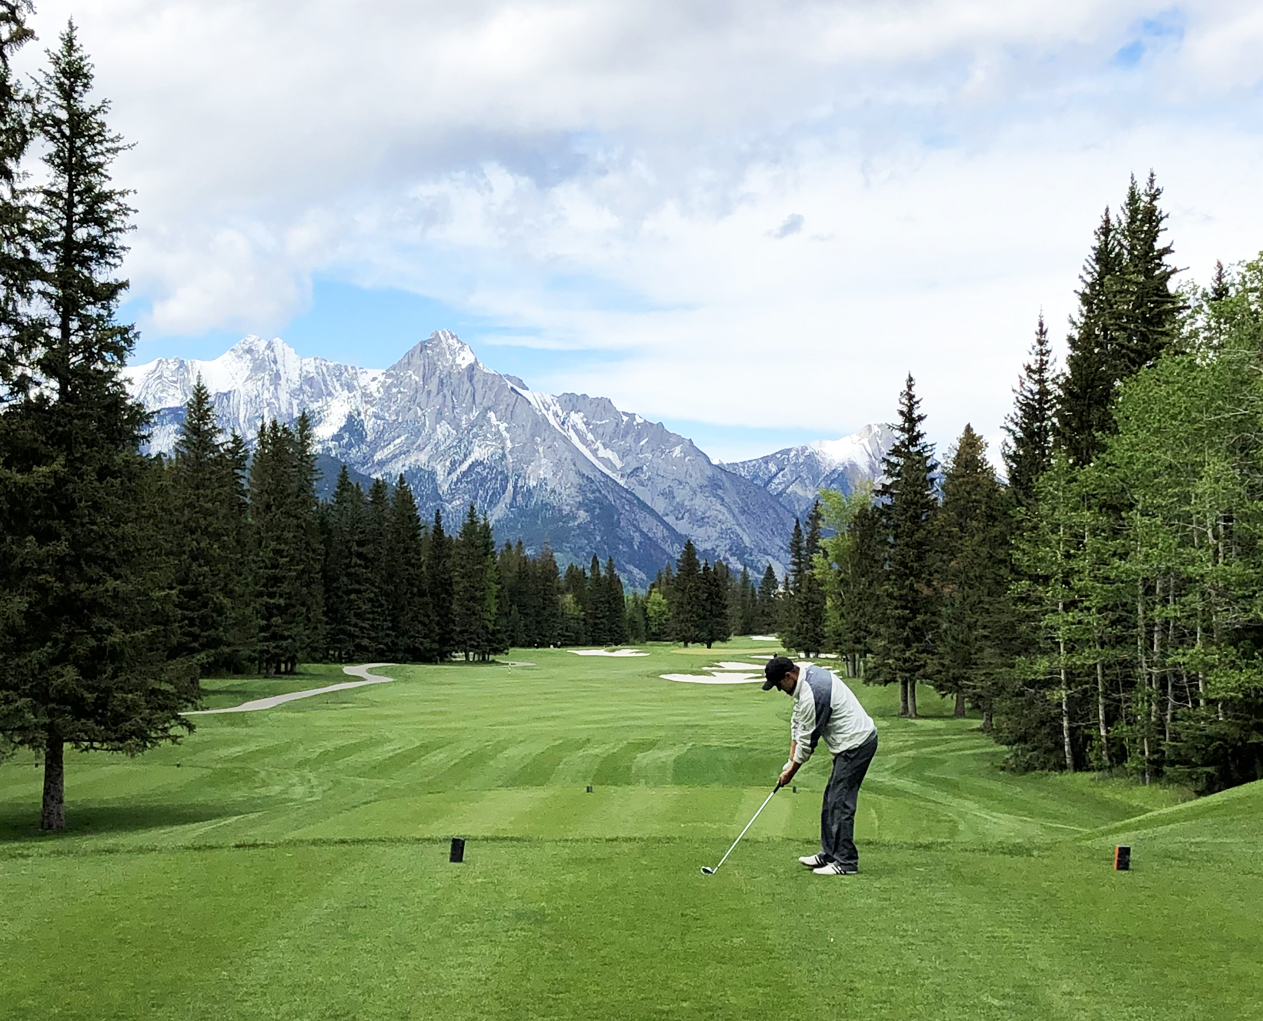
<point x="826" y="708"/>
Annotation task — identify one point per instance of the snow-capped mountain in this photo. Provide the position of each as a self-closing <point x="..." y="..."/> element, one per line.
<point x="570" y="468"/>
<point x="255" y="380"/>
<point x="796" y="475"/>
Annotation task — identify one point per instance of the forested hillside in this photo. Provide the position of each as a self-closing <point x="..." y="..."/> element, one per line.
<point x="1101" y="607"/>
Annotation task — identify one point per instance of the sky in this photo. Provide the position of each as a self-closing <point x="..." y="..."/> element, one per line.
<point x="749" y="219"/>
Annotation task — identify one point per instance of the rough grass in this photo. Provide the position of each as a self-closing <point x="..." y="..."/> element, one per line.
<point x="292" y="863"/>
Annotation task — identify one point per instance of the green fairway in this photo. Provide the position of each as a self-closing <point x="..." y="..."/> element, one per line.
<point x="292" y="863"/>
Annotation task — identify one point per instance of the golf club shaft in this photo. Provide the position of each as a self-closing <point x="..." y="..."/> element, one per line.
<point x="748" y="825"/>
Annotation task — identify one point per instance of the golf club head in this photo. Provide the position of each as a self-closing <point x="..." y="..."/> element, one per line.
<point x="707" y="870"/>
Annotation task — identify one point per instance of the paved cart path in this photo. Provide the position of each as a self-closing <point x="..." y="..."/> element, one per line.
<point x="273" y="701"/>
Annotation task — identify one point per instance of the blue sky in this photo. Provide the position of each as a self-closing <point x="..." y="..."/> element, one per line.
<point x="680" y="205"/>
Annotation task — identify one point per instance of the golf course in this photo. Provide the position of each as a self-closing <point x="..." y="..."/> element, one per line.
<point x="292" y="862"/>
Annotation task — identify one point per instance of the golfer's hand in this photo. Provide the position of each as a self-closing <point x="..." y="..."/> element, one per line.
<point x="786" y="777"/>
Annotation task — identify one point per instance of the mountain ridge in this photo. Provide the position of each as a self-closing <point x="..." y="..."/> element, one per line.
<point x="567" y="468"/>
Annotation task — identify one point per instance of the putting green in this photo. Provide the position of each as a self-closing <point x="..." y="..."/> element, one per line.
<point x="292" y="863"/>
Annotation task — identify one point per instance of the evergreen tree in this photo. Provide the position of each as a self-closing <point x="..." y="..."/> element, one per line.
<point x="1083" y="406"/>
<point x="82" y="653"/>
<point x="765" y="616"/>
<point x="288" y="593"/>
<point x="1150" y="310"/>
<point x="685" y="599"/>
<point x="905" y="633"/>
<point x="468" y="587"/>
<point x="1027" y="450"/>
<point x="595" y="605"/>
<point x="19" y="335"/>
<point x="809" y="597"/>
<point x="715" y="626"/>
<point x="615" y="605"/>
<point x="203" y="526"/>
<point x="410" y="615"/>
<point x="974" y="644"/>
<point x="349" y="569"/>
<point x="439" y="588"/>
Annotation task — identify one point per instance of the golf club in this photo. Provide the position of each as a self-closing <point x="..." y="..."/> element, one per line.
<point x="706" y="870"/>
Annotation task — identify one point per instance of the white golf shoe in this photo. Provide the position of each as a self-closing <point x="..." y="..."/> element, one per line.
<point x="834" y="869"/>
<point x="813" y="861"/>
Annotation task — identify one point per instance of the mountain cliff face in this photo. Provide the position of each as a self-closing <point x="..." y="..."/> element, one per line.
<point x="570" y="468"/>
<point x="796" y="474"/>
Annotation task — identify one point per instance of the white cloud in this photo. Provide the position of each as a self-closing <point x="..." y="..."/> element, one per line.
<point x="606" y="175"/>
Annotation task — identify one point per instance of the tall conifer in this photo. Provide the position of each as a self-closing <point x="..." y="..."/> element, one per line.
<point x="82" y="655"/>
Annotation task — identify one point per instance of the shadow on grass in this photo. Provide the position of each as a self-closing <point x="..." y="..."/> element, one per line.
<point x="21" y="825"/>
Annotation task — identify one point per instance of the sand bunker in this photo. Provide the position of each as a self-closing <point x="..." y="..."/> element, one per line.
<point x="716" y="678"/>
<point x="740" y="667"/>
<point x="620" y="653"/>
<point x="764" y="638"/>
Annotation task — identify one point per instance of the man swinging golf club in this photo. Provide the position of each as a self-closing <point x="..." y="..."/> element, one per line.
<point x="826" y="708"/>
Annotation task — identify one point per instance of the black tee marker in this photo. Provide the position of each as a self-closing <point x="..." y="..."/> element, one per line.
<point x="458" y="850"/>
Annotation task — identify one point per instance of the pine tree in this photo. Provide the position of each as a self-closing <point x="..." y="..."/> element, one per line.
<point x="349" y="581"/>
<point x="82" y="655"/>
<point x="809" y="598"/>
<point x="468" y="587"/>
<point x="974" y="644"/>
<point x="411" y="619"/>
<point x="204" y="528"/>
<point x="1150" y="312"/>
<point x="905" y="634"/>
<point x="1083" y="406"/>
<point x="595" y="605"/>
<point x="685" y="599"/>
<point x="18" y="267"/>
<point x="766" y="604"/>
<point x="1027" y="450"/>
<point x="714" y="620"/>
<point x="439" y="588"/>
<point x="615" y="605"/>
<point x="288" y="594"/>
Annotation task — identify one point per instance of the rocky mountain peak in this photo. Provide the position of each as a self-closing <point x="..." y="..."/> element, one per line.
<point x="442" y="349"/>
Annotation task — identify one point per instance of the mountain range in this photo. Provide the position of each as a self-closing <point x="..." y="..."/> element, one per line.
<point x="568" y="468"/>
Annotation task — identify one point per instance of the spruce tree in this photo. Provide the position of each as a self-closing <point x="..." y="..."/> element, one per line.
<point x="765" y="606"/>
<point x="1027" y="450"/>
<point x="468" y="587"/>
<point x="686" y="597"/>
<point x="905" y="634"/>
<point x="439" y="588"/>
<point x="18" y="267"/>
<point x="83" y="653"/>
<point x="204" y="529"/>
<point x="974" y="644"/>
<point x="1083" y="406"/>
<point x="615" y="605"/>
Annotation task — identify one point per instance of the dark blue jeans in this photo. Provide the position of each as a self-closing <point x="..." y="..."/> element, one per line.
<point x="837" y="815"/>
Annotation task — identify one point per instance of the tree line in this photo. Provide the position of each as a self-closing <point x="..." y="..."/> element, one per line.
<point x="1101" y="605"/>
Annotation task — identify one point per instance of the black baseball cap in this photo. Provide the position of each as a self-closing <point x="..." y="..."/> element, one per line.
<point x="777" y="667"/>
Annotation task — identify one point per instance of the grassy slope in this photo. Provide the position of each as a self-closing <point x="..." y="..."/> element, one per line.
<point x="983" y="895"/>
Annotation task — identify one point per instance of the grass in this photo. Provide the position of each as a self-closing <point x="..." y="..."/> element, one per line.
<point x="291" y="863"/>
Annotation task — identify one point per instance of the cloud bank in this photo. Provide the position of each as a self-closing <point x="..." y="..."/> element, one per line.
<point x="722" y="195"/>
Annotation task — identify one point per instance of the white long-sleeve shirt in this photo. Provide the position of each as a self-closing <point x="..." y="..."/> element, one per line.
<point x="821" y="694"/>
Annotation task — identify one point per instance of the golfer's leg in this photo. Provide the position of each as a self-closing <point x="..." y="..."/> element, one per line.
<point x="841" y="799"/>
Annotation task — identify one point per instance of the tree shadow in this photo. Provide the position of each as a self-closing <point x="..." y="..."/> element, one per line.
<point x="20" y="824"/>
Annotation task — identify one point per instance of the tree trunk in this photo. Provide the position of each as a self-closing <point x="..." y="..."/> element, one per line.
<point x="903" y="696"/>
<point x="960" y="703"/>
<point x="1065" y="688"/>
<point x="1142" y="670"/>
<point x="912" y="698"/>
<point x="1100" y="710"/>
<point x="53" y="815"/>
